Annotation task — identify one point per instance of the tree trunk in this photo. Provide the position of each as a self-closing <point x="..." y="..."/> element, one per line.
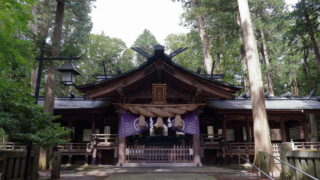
<point x="260" y="122"/>
<point x="245" y="70"/>
<point x="312" y="37"/>
<point x="205" y="44"/>
<point x="50" y="84"/>
<point x="265" y="55"/>
<point x="34" y="73"/>
<point x="218" y="54"/>
<point x="56" y="41"/>
<point x="294" y="86"/>
<point x="313" y="128"/>
<point x="306" y="68"/>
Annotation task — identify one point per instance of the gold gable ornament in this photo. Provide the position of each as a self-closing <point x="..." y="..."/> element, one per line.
<point x="159" y="93"/>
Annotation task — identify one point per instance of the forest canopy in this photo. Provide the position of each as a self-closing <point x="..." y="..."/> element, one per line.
<point x="288" y="43"/>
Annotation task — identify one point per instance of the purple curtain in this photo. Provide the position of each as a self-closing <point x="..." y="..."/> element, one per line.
<point x="129" y="124"/>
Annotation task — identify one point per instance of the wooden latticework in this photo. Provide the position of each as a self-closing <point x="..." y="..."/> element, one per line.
<point x="142" y="154"/>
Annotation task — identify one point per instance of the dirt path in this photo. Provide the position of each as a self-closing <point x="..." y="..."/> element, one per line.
<point x="143" y="173"/>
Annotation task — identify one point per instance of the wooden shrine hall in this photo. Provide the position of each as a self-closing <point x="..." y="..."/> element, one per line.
<point x="163" y="114"/>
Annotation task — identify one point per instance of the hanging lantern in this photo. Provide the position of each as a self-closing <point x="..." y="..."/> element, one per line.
<point x="69" y="74"/>
<point x="142" y="122"/>
<point x="159" y="123"/>
<point x="178" y="122"/>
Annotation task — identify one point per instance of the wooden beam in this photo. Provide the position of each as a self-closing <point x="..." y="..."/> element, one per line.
<point x="96" y="93"/>
<point x="248" y="132"/>
<point x="196" y="94"/>
<point x="212" y="90"/>
<point x="224" y="128"/>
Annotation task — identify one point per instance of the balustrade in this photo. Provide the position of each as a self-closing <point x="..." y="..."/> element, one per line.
<point x="11" y="146"/>
<point x="307" y="145"/>
<point x="176" y="154"/>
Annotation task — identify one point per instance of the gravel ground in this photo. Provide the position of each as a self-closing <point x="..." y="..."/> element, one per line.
<point x="145" y="173"/>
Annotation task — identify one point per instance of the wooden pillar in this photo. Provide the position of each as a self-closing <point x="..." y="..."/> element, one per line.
<point x="93" y="128"/>
<point x="115" y="154"/>
<point x="196" y="150"/>
<point x="305" y="131"/>
<point x="94" y="156"/>
<point x="69" y="159"/>
<point x="86" y="160"/>
<point x="283" y="131"/>
<point x="71" y="133"/>
<point x="94" y="151"/>
<point x="248" y="132"/>
<point x="122" y="151"/>
<point x="224" y="128"/>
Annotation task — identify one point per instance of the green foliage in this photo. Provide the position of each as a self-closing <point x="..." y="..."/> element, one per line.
<point x="15" y="46"/>
<point x="286" y="35"/>
<point x="76" y="24"/>
<point x="3" y="135"/>
<point x="103" y="50"/>
<point x="145" y="41"/>
<point x="19" y="117"/>
<point x="23" y="120"/>
<point x="192" y="58"/>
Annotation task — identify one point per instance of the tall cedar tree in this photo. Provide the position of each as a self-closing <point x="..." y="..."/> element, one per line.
<point x="260" y="122"/>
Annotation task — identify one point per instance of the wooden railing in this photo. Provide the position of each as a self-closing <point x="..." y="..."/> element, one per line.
<point x="239" y="148"/>
<point x="105" y="139"/>
<point x="247" y="148"/>
<point x="11" y="146"/>
<point x="73" y="148"/>
<point x="142" y="154"/>
<point x="307" y="145"/>
<point x="208" y="139"/>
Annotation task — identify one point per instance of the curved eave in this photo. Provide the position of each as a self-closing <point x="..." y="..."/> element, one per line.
<point x="228" y="88"/>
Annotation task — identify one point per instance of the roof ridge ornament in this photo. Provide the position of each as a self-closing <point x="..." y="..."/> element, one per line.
<point x="159" y="51"/>
<point x="141" y="52"/>
<point x="177" y="52"/>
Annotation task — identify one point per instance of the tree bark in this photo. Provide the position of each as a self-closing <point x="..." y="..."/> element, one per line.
<point x="294" y="86"/>
<point x="265" y="54"/>
<point x="260" y="122"/>
<point x="56" y="41"/>
<point x="218" y="54"/>
<point x="205" y="44"/>
<point x="313" y="128"/>
<point x="312" y="36"/>
<point x="245" y="70"/>
<point x="306" y="68"/>
<point x="50" y="83"/>
<point x="34" y="73"/>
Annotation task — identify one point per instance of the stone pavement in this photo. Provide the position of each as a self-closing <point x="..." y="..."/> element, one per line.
<point x="146" y="173"/>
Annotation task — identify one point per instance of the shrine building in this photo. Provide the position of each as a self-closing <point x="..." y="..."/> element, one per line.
<point x="163" y="114"/>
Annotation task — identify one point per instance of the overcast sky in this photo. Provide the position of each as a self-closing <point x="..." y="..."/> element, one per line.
<point x="126" y="19"/>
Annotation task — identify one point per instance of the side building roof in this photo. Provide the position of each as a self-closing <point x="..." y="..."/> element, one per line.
<point x="276" y="103"/>
<point x="66" y="103"/>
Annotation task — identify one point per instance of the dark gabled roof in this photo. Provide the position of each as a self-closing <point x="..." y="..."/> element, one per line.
<point x="275" y="103"/>
<point x="69" y="67"/>
<point x="77" y="103"/>
<point x="159" y="55"/>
